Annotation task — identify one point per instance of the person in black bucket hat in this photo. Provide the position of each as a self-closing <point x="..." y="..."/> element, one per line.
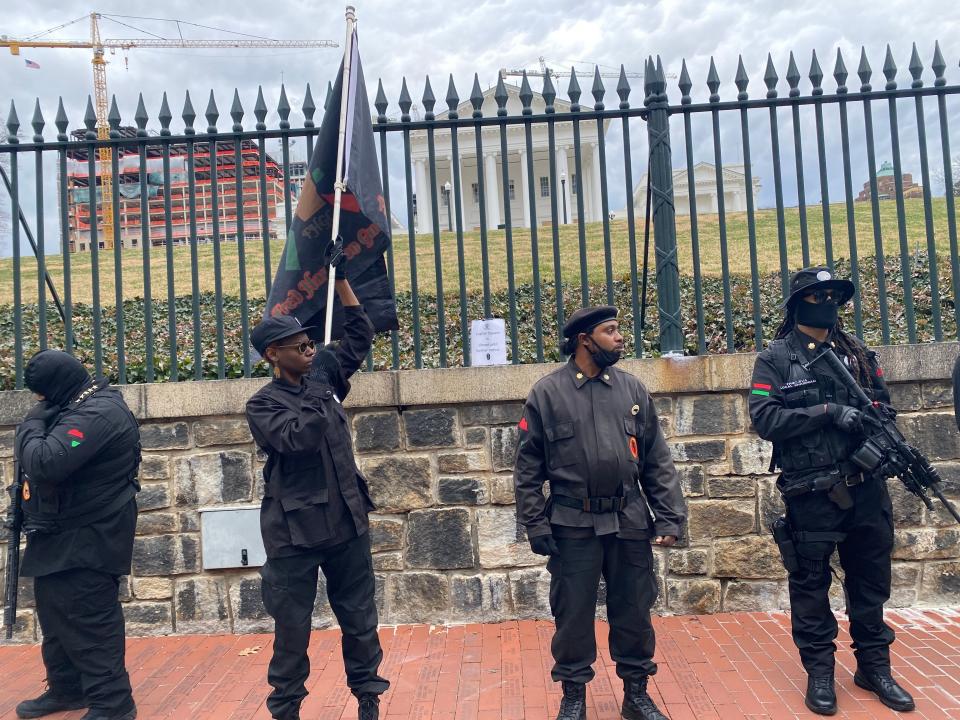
<point x="831" y="503"/>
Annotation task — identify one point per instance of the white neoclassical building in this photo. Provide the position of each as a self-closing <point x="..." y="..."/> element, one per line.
<point x="705" y="187"/>
<point x="519" y="182"/>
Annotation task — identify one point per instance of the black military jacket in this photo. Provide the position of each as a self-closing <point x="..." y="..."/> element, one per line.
<point x="595" y="437"/>
<point x="787" y="405"/>
<point x="83" y="463"/>
<point x="315" y="496"/>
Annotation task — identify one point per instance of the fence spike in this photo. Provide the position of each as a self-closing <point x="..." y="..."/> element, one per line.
<point x="890" y="70"/>
<point x="89" y="120"/>
<point x="37" y="122"/>
<point x="793" y="76"/>
<point x="526" y="95"/>
<point x="236" y="112"/>
<point x="916" y="68"/>
<point x="405" y="102"/>
<point x="623" y="88"/>
<point x="452" y="99"/>
<point x="113" y="118"/>
<point x="741" y="80"/>
<point x="188" y="115"/>
<point x="573" y="91"/>
<point x="212" y="114"/>
<point x="61" y="122"/>
<point x="549" y="93"/>
<point x="141" y="117"/>
<point x="283" y="108"/>
<point x="381" y="103"/>
<point x="660" y="80"/>
<point x="428" y="100"/>
<point x="816" y="75"/>
<point x="500" y="95"/>
<point x="939" y="66"/>
<point x="770" y="78"/>
<point x="308" y="108"/>
<point x="713" y="82"/>
<point x="598" y="91"/>
<point x="864" y="72"/>
<point x="260" y="109"/>
<point x="685" y="84"/>
<point x="476" y="97"/>
<point x="840" y="74"/>
<point x="326" y="100"/>
<point x="164" y="116"/>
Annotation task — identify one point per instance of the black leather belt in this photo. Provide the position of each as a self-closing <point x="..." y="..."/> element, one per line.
<point x="592" y="504"/>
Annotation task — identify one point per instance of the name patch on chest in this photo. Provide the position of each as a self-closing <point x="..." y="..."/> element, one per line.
<point x="801" y="383"/>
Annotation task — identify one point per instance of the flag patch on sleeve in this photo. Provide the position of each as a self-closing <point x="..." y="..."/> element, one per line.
<point x="523" y="424"/>
<point x="76" y="437"/>
<point x="760" y="389"/>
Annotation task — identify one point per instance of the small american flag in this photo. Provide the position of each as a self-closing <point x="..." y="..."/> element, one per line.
<point x="32" y="64"/>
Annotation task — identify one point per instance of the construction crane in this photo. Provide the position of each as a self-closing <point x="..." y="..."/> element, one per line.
<point x="546" y="70"/>
<point x="99" y="46"/>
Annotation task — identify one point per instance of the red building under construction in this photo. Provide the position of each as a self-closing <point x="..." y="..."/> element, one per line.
<point x="130" y="187"/>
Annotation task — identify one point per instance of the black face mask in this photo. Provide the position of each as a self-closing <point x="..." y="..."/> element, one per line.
<point x="604" y="358"/>
<point x="818" y="315"/>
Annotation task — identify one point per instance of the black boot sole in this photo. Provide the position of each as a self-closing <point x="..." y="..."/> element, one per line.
<point x="861" y="682"/>
<point x="818" y="710"/>
<point x="76" y="705"/>
<point x="628" y="714"/>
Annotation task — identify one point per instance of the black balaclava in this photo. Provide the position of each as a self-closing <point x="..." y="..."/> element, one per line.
<point x="818" y="315"/>
<point x="603" y="358"/>
<point x="57" y="376"/>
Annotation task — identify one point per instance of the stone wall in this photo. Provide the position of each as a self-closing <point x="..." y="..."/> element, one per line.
<point x="437" y="447"/>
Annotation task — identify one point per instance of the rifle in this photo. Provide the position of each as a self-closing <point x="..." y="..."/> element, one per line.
<point x="14" y="524"/>
<point x="887" y="450"/>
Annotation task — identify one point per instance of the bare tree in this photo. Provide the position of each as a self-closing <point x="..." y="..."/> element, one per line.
<point x="955" y="170"/>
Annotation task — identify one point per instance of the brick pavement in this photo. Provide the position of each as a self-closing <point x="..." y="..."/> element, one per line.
<point x="727" y="666"/>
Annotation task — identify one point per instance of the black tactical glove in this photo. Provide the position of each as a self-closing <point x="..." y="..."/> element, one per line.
<point x="544" y="545"/>
<point x="893" y="464"/>
<point x="325" y="367"/>
<point x="846" y="418"/>
<point x="43" y="410"/>
<point x="333" y="256"/>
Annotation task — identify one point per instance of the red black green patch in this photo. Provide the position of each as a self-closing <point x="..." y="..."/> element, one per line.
<point x="77" y="436"/>
<point x="523" y="424"/>
<point x="633" y="448"/>
<point x="761" y="389"/>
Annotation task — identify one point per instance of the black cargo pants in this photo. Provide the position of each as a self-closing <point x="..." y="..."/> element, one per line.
<point x="627" y="568"/>
<point x="289" y="590"/>
<point x="864" y="552"/>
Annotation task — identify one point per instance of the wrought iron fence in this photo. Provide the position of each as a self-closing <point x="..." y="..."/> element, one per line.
<point x="531" y="260"/>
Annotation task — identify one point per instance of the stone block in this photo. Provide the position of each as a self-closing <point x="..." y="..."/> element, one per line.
<point x="202" y="605"/>
<point x="694" y="561"/>
<point x="249" y="614"/>
<point x="491" y="413"/>
<point x="169" y="436"/>
<point x="480" y="598"/>
<point x="934" y="434"/>
<point x="906" y="573"/>
<point x="731" y="487"/>
<point x="418" y="597"/>
<point x="906" y="397"/>
<point x="941" y="584"/>
<point x="25" y="596"/>
<point x="189" y="521"/>
<point x="474" y="436"/>
<point x="156" y="523"/>
<point x="720" y="518"/>
<point x="213" y="478"/>
<point x="435" y="427"/>
<point x="25" y="627"/>
<point x="926" y="543"/>
<point x="385" y="534"/>
<point x="388" y="561"/>
<point x="693" y="597"/>
<point x="530" y="590"/>
<point x="501" y="541"/>
<point x="153" y="496"/>
<point x="503" y="447"/>
<point x="770" y="502"/>
<point x="147" y="618"/>
<point x="398" y="483"/>
<point x="376" y="432"/>
<point x="751" y="596"/>
<point x="463" y="462"/>
<point x="751" y="457"/>
<point x="221" y="431"/>
<point x="439" y="539"/>
<point x="462" y="491"/>
<point x="154" y="467"/>
<point x="663" y="405"/>
<point x="6" y="443"/>
<point x="902" y="597"/>
<point x="937" y="394"/>
<point x="698" y="450"/>
<point x="502" y="490"/>
<point x="716" y="414"/>
<point x="158" y="555"/>
<point x="691" y="480"/>
<point x="907" y="508"/>
<point x="125" y="591"/>
<point x="753" y="556"/>
<point x="152" y="588"/>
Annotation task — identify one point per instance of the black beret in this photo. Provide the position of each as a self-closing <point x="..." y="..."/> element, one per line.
<point x="275" y="328"/>
<point x="586" y="319"/>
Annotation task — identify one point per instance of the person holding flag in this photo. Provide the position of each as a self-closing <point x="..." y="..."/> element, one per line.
<point x="314" y="511"/>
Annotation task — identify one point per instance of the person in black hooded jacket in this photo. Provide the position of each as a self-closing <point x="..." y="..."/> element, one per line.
<point x="79" y="449"/>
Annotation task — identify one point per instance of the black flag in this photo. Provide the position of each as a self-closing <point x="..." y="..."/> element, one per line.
<point x="300" y="286"/>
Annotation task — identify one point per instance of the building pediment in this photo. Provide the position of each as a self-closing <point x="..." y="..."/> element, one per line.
<point x="514" y="105"/>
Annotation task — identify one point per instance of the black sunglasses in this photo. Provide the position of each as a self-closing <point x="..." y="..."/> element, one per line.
<point x="301" y="347"/>
<point x="824" y="296"/>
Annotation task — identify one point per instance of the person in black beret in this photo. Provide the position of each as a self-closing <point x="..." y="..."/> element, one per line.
<point x="831" y="504"/>
<point x="591" y="431"/>
<point x="314" y="511"/>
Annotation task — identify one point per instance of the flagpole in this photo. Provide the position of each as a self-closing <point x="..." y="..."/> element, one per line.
<point x="338" y="185"/>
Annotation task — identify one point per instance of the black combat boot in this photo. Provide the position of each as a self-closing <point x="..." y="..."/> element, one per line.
<point x="881" y="682"/>
<point x="369" y="707"/>
<point x="48" y="703"/>
<point x="96" y="714"/>
<point x="637" y="703"/>
<point x="574" y="703"/>
<point x="821" y="698"/>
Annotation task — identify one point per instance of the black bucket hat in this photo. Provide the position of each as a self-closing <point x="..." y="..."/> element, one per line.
<point x="809" y="280"/>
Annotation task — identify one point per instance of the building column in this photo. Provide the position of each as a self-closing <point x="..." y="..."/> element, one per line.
<point x="491" y="190"/>
<point x="423" y="197"/>
<point x="597" y="213"/>
<point x="525" y="181"/>
<point x="566" y="188"/>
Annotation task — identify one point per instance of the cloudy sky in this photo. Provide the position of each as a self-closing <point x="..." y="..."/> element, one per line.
<point x="414" y="38"/>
